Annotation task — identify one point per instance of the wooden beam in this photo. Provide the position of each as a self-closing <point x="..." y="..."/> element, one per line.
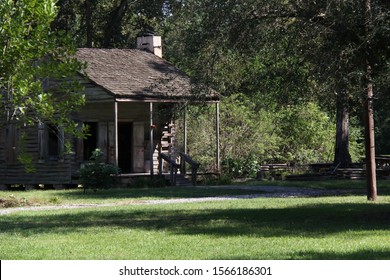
<point x="151" y="140"/>
<point x="185" y="129"/>
<point x="165" y="100"/>
<point x="116" y="131"/>
<point x="218" y="160"/>
<point x="183" y="167"/>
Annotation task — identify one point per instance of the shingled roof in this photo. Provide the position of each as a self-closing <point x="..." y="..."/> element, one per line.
<point x="135" y="74"/>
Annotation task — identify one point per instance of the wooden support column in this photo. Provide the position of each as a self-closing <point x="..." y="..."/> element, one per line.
<point x="185" y="129"/>
<point x="116" y="131"/>
<point x="151" y="140"/>
<point x="182" y="162"/>
<point x="218" y="160"/>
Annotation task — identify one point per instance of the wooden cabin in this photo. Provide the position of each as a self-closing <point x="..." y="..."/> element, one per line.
<point x="131" y="94"/>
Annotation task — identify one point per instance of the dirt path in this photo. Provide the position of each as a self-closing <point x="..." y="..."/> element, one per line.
<point x="266" y="191"/>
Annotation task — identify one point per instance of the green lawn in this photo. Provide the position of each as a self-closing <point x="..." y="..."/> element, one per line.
<point x="347" y="227"/>
<point x="76" y="196"/>
<point x="356" y="185"/>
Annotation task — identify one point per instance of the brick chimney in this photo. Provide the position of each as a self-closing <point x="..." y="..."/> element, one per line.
<point x="150" y="43"/>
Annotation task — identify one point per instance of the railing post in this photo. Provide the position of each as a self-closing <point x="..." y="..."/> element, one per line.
<point x="173" y="174"/>
<point x="160" y="161"/>
<point x="173" y="166"/>
<point x="194" y="174"/>
<point x="183" y="170"/>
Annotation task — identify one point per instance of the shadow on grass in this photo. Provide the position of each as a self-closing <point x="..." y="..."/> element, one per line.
<point x="302" y="221"/>
<point x="315" y="255"/>
<point x="160" y="193"/>
<point x="307" y="220"/>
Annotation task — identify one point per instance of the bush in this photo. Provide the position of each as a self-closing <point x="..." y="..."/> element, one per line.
<point x="240" y="167"/>
<point x="252" y="135"/>
<point x="98" y="175"/>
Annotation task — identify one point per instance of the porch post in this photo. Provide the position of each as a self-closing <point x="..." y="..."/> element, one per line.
<point x="116" y="131"/>
<point x="151" y="140"/>
<point x="182" y="162"/>
<point x="185" y="129"/>
<point x="218" y="161"/>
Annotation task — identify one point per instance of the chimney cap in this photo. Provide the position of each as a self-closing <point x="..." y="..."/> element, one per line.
<point x="150" y="43"/>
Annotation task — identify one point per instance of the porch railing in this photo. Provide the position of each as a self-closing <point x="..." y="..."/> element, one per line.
<point x="174" y="166"/>
<point x="194" y="166"/>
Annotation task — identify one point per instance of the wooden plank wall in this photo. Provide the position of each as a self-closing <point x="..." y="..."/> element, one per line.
<point x="47" y="172"/>
<point x="100" y="109"/>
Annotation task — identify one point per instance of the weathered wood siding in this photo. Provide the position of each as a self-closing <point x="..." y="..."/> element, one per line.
<point x="100" y="108"/>
<point x="94" y="93"/>
<point x="46" y="171"/>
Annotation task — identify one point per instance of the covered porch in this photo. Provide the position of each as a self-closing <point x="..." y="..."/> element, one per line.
<point x="133" y="99"/>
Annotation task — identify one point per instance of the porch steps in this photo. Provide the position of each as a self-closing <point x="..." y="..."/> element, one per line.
<point x="183" y="181"/>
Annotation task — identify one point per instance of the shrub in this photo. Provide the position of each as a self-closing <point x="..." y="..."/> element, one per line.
<point x="98" y="175"/>
<point x="240" y="167"/>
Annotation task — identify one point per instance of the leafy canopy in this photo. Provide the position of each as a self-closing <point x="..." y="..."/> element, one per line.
<point x="36" y="66"/>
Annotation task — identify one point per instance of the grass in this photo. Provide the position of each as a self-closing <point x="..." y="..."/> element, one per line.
<point x="76" y="196"/>
<point x="359" y="186"/>
<point x="347" y="227"/>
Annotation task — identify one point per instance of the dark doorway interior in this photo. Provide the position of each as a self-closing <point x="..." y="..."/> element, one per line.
<point x="90" y="142"/>
<point x="124" y="147"/>
<point x="53" y="142"/>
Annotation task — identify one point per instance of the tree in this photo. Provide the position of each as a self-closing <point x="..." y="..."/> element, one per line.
<point x="112" y="23"/>
<point x="37" y="67"/>
<point x="351" y="52"/>
<point x="369" y="111"/>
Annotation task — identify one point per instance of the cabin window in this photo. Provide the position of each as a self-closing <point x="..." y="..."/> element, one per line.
<point x="53" y="142"/>
<point x="90" y="142"/>
<point x="50" y="142"/>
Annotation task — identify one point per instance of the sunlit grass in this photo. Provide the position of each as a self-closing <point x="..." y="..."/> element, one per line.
<point x="353" y="185"/>
<point x="77" y="196"/>
<point x="266" y="228"/>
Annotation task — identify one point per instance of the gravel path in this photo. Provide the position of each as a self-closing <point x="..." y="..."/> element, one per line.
<point x="266" y="191"/>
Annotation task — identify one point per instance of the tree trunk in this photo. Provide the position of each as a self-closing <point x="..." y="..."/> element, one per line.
<point x="369" y="111"/>
<point x="370" y="143"/>
<point x="88" y="22"/>
<point x="342" y="156"/>
<point x="114" y="23"/>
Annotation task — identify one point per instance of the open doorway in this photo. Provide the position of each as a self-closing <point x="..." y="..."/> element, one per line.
<point x="125" y="132"/>
<point x="90" y="142"/>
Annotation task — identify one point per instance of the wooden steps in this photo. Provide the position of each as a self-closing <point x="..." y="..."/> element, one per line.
<point x="183" y="181"/>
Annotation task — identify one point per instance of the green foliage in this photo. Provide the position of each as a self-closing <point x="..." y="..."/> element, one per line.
<point x="241" y="167"/>
<point x="25" y="158"/>
<point x="249" y="137"/>
<point x="282" y="55"/>
<point x="98" y="175"/>
<point x="306" y="134"/>
<point x="285" y="53"/>
<point x="37" y="66"/>
<point x="112" y="23"/>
